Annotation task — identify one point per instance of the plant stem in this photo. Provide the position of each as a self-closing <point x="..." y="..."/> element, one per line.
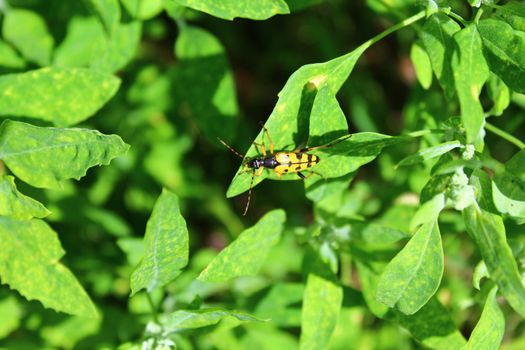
<point x="505" y="135"/>
<point x="153" y="308"/>
<point x="395" y="27"/>
<point x="458" y="18"/>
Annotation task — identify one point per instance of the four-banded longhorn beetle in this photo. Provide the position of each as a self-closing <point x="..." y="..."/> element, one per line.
<point x="281" y="162"/>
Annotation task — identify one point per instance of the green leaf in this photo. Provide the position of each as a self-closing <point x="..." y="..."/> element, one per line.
<point x="44" y="157"/>
<point x="28" y="32"/>
<point x="376" y="234"/>
<point x="12" y="315"/>
<point x="84" y="34"/>
<point x="208" y="95"/>
<point x="280" y="304"/>
<point x="15" y="204"/>
<point x="514" y="13"/>
<point x="489" y="331"/>
<point x="432" y="325"/>
<point x="108" y="12"/>
<point x="470" y="73"/>
<point x="246" y="255"/>
<point x="508" y="193"/>
<point x="230" y="9"/>
<point x="429" y="153"/>
<point x="488" y="231"/>
<point x="504" y="49"/>
<point x="428" y="211"/>
<point x="499" y="93"/>
<point x="288" y="123"/>
<point x="422" y="65"/>
<point x="143" y="9"/>
<point x="111" y="54"/>
<point x="437" y="37"/>
<point x="480" y="272"/>
<point x="414" y="275"/>
<point x="166" y="246"/>
<point x="29" y="264"/>
<point x="189" y="319"/>
<point x="63" y="96"/>
<point x="9" y="58"/>
<point x="321" y="306"/>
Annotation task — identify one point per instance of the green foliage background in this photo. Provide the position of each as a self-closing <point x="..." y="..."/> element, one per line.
<point x="411" y="238"/>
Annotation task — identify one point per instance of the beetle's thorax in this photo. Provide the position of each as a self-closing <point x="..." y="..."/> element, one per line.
<point x="265" y="162"/>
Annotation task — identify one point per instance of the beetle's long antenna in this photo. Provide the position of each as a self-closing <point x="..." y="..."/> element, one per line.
<point x="328" y="145"/>
<point x="230" y="148"/>
<point x="249" y="195"/>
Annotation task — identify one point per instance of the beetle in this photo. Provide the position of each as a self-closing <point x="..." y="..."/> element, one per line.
<point x="281" y="162"/>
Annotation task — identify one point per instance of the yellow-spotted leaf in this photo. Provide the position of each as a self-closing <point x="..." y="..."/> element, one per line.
<point x="62" y="96"/>
<point x="504" y="49"/>
<point x="15" y="204"/>
<point x="470" y="73"/>
<point x="246" y="255"/>
<point x="230" y="9"/>
<point x="30" y="264"/>
<point x="166" y="246"/>
<point x="289" y="122"/>
<point x="321" y="307"/>
<point x="414" y="275"/>
<point x="44" y="157"/>
<point x="190" y="319"/>
<point x="488" y="333"/>
<point x="437" y="37"/>
<point x="488" y="231"/>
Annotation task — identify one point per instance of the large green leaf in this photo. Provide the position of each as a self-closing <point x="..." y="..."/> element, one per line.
<point x="230" y="9"/>
<point x="63" y="96"/>
<point x="504" y="50"/>
<point x="44" y="157"/>
<point x="188" y="319"/>
<point x="289" y="122"/>
<point x="204" y="89"/>
<point x="246" y="255"/>
<point x="437" y="37"/>
<point x="15" y="204"/>
<point x="321" y="306"/>
<point x="488" y="333"/>
<point x="166" y="246"/>
<point x="488" y="231"/>
<point x="432" y="325"/>
<point x="30" y="264"/>
<point x="470" y="73"/>
<point x="414" y="275"/>
<point x="28" y="32"/>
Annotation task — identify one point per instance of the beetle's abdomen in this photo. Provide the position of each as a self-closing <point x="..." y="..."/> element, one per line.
<point x="293" y="162"/>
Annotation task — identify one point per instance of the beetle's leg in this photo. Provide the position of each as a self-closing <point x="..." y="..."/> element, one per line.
<point x="249" y="195"/>
<point x="261" y="146"/>
<point x="259" y="171"/>
<point x="310" y="173"/>
<point x="268" y="136"/>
